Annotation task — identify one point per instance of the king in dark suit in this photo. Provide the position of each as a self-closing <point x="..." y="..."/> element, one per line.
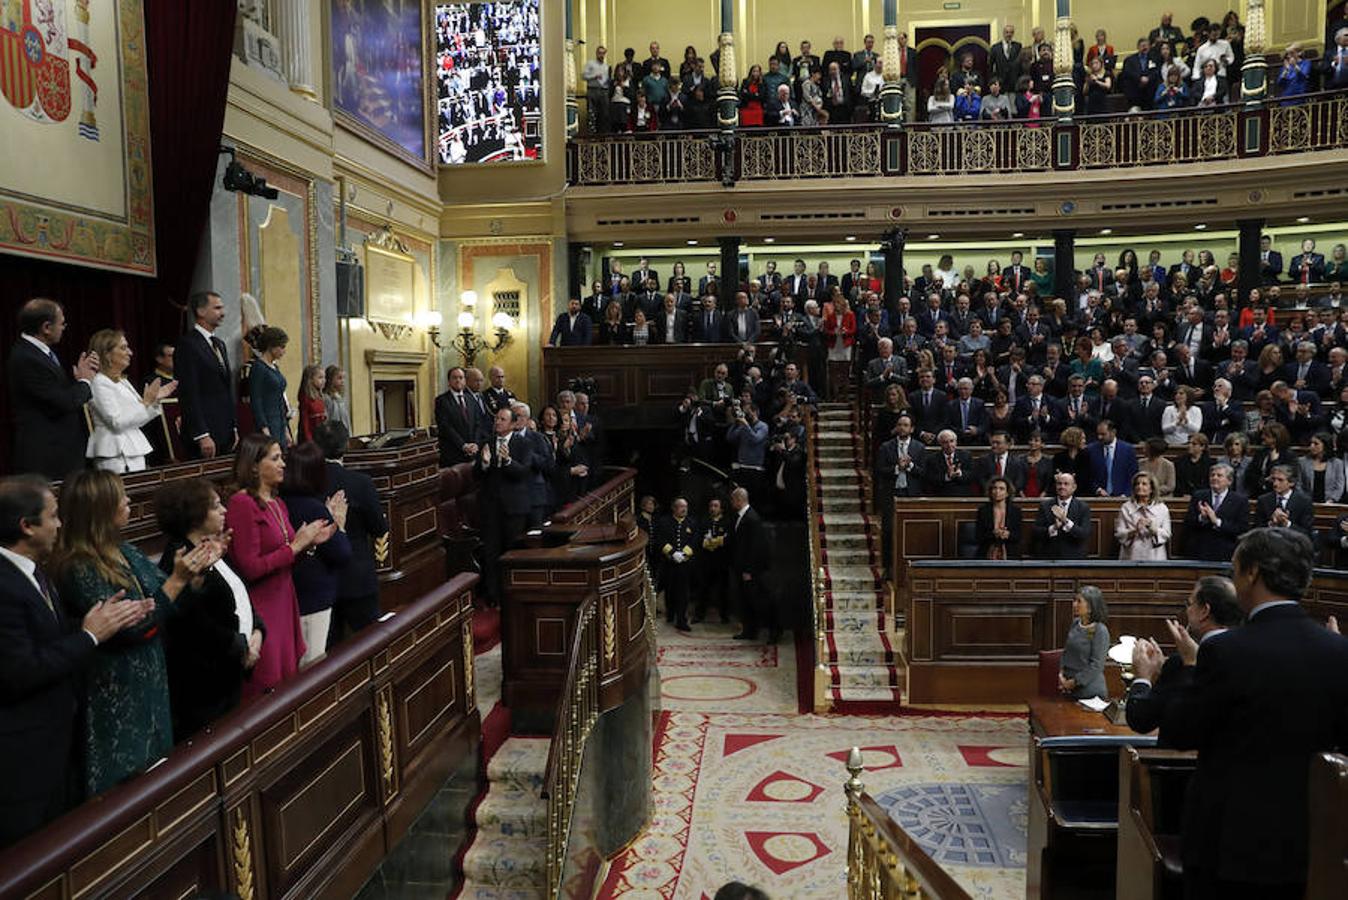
<point x="47" y="402"/>
<point x="205" y="385"/>
<point x="1266" y="698"/>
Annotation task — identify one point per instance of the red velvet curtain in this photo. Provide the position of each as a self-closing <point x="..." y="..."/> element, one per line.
<point x="188" y="52"/>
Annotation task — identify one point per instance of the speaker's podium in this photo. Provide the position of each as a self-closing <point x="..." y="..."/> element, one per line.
<point x="549" y="580"/>
<point x="404" y="465"/>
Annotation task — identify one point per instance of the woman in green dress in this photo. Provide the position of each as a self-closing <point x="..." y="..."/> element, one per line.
<point x="1042" y="276"/>
<point x="127" y="724"/>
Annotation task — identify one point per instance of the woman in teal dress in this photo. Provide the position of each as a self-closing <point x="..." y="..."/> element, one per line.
<point x="126" y="725"/>
<point x="1042" y="276"/>
<point x="267" y="386"/>
<point x="1088" y="366"/>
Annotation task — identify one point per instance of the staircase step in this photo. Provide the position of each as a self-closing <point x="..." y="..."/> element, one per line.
<point x="848" y="522"/>
<point x="865" y="676"/>
<point x="483" y="892"/>
<point x="856" y="601"/>
<point x="846" y="540"/>
<point x="512" y="813"/>
<point x="864" y="695"/>
<point x="520" y="764"/>
<point x="514" y="863"/>
<point x="846" y="622"/>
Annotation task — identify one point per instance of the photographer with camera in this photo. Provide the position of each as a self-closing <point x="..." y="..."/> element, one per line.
<point x="749" y="436"/>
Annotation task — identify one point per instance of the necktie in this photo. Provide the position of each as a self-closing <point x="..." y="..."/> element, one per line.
<point x="44" y="588"/>
<point x="217" y="347"/>
<point x="901" y="479"/>
<point x="51" y="355"/>
<point x="964" y="414"/>
<point x="502" y="448"/>
<point x="463" y="407"/>
<point x="1001" y="465"/>
<point x="1217" y="501"/>
<point x="1109" y="468"/>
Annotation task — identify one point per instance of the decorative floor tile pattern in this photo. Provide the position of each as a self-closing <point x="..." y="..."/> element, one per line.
<point x="758" y="797"/>
<point x="706" y="670"/>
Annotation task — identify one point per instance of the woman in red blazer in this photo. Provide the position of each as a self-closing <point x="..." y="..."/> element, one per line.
<point x="840" y="333"/>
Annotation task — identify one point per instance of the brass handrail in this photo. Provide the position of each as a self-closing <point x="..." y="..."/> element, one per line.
<point x="821" y="679"/>
<point x="883" y="862"/>
<point x="575" y="717"/>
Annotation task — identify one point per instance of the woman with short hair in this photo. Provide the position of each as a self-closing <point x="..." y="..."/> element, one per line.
<point x="267" y="385"/>
<point x="305" y="489"/>
<point x="216" y="636"/>
<point x="1142" y="526"/>
<point x="1160" y="468"/>
<point x="127" y="724"/>
<point x="1322" y="476"/>
<point x="1082" y="669"/>
<point x="1191" y="470"/>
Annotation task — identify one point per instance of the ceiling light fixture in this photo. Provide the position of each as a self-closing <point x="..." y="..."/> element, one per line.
<point x="933" y="237"/>
<point x="769" y="240"/>
<point x="1303" y="219"/>
<point x="1201" y="226"/>
<point x="692" y="242"/>
<point x="1106" y="230"/>
<point x="1018" y="234"/>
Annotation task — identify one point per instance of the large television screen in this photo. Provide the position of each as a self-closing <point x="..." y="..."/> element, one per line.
<point x="488" y="69"/>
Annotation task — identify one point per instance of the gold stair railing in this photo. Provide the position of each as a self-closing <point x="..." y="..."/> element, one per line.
<point x="822" y="679"/>
<point x="577" y="715"/>
<point x="883" y="862"/>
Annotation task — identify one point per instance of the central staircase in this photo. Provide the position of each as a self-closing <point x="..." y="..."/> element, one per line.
<point x="862" y="646"/>
<point x="506" y="859"/>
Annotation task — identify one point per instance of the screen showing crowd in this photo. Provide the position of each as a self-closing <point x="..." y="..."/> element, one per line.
<point x="488" y="67"/>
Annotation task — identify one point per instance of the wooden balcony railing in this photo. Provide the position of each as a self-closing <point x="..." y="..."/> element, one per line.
<point x="297" y="794"/>
<point x="883" y="862"/>
<point x="1316" y="122"/>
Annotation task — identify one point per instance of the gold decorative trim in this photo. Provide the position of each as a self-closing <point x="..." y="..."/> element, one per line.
<point x="386" y="746"/>
<point x="381" y="549"/>
<point x="610" y="629"/>
<point x="243" y="856"/>
<point x="470" y="701"/>
<point x="393" y="331"/>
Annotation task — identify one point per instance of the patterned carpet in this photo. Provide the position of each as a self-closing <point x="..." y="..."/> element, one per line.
<point x="747" y="789"/>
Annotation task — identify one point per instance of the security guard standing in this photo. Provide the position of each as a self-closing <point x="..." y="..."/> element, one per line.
<point x="678" y="536"/>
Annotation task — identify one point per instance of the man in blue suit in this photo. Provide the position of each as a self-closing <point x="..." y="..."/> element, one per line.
<point x="573" y="328"/>
<point x="1308" y="267"/>
<point x="1270" y="261"/>
<point x="1113" y="463"/>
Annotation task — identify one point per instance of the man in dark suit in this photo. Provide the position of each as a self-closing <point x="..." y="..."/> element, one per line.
<point x="1270" y="261"/>
<point x="648" y="65"/>
<point x="573" y="328"/>
<point x="542" y="463"/>
<point x="1221" y="415"/>
<point x="357" y="584"/>
<point x="205" y="382"/>
<point x="885" y="369"/>
<point x="44" y="652"/>
<point x="742" y="324"/>
<point x="1211" y="609"/>
<point x="1189" y="371"/>
<point x="671" y="324"/>
<point x="498" y="396"/>
<point x="706" y="282"/>
<point x="1285" y="506"/>
<point x="644" y="271"/>
<point x="1004" y="59"/>
<point x="1147" y="409"/>
<point x="1265" y="699"/>
<point x="1113" y="463"/>
<point x="1139" y="77"/>
<point x="1062" y="528"/>
<point x="1216" y="518"/>
<point x="48" y="438"/>
<point x="797" y="284"/>
<point x="1186" y="267"/>
<point x="928" y="407"/>
<point x="1308" y="267"/>
<point x="950" y="471"/>
<point x="1036" y="411"/>
<point x="750" y="555"/>
<point x="456" y="420"/>
<point x="1306" y="373"/>
<point x="927" y="319"/>
<point x="709" y="323"/>
<point x="1000" y="463"/>
<point x="966" y="415"/>
<point x="503" y="466"/>
<point x="1016" y="274"/>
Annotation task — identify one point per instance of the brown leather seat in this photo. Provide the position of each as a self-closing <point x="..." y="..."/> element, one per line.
<point x="1050" y="663"/>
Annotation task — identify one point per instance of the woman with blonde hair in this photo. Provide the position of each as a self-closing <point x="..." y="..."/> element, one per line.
<point x="1142" y="527"/>
<point x="127" y="721"/>
<point x="118" y="410"/>
<point x="335" y="404"/>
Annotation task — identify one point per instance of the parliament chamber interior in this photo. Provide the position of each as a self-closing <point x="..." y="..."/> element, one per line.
<point x="863" y="449"/>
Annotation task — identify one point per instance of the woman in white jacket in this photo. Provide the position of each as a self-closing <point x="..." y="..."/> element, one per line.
<point x="117" y="443"/>
<point x="1182" y="419"/>
<point x="1142" y="526"/>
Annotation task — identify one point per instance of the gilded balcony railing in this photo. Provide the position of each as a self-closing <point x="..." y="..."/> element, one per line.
<point x="686" y="156"/>
<point x="961" y="149"/>
<point x="827" y="153"/>
<point x="883" y="862"/>
<point x="578" y="712"/>
<point x="1319" y="123"/>
<point x="1156" y="141"/>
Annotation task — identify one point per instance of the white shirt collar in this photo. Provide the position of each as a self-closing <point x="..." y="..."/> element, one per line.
<point x="208" y="335"/>
<point x="1263" y="606"/>
<point x="45" y="350"/>
<point x="25" y="565"/>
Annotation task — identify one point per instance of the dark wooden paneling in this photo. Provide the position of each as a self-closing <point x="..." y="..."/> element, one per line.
<point x="296" y="795"/>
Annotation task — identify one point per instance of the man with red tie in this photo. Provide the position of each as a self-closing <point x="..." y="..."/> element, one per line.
<point x="1308" y="267"/>
<point x="1015" y="275"/>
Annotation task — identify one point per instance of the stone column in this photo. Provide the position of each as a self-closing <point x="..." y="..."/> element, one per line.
<point x="729" y="267"/>
<point x="891" y="93"/>
<point x="572" y="86"/>
<point x="1248" y="248"/>
<point x="1254" y="71"/>
<point x="892" y="247"/>
<point x="1064" y="88"/>
<point x="727" y="97"/>
<point x="293" y="30"/>
<point x="1064" y="264"/>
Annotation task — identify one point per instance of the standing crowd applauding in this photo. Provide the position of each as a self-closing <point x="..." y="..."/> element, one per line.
<point x="111" y="656"/>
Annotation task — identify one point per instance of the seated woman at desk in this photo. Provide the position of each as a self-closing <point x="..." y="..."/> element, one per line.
<point x="997" y="523"/>
<point x="1082" y="671"/>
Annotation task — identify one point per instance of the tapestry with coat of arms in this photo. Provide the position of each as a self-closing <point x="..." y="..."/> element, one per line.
<point x="75" y="133"/>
